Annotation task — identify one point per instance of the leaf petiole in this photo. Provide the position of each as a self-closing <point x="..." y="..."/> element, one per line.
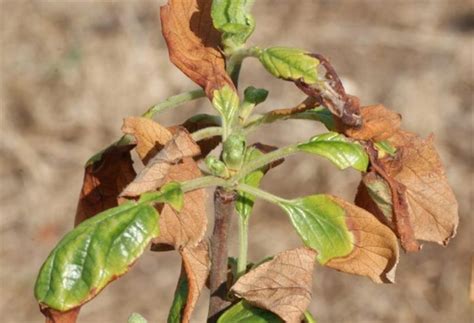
<point x="173" y="101"/>
<point x="234" y="61"/>
<point x="264" y="195"/>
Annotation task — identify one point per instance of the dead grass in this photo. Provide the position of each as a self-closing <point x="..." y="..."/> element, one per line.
<point x="72" y="70"/>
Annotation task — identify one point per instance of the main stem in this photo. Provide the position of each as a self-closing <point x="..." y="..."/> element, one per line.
<point x="223" y="210"/>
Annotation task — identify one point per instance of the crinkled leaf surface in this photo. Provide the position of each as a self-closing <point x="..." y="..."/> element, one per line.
<point x="104" y="178"/>
<point x="321" y="225"/>
<point x="93" y="254"/>
<point x="281" y="285"/>
<point x="290" y="64"/>
<point x="193" y="43"/>
<point x="338" y="149"/>
<point x="242" y="312"/>
<point x="232" y="18"/>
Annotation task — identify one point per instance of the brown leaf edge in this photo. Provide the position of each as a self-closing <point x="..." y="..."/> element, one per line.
<point x="281" y="285"/>
<point x="375" y="252"/>
<point x="193" y="43"/>
<point x="53" y="316"/>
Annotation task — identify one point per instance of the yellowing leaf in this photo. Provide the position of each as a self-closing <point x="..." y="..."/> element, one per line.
<point x="193" y="43"/>
<point x="375" y="252"/>
<point x="281" y="285"/>
<point x="150" y="136"/>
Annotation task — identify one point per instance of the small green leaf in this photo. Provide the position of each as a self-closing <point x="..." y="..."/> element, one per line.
<point x="338" y="149"/>
<point x="233" y="151"/>
<point x="136" y="318"/>
<point x="96" y="252"/>
<point x="290" y="64"/>
<point x="386" y="147"/>
<point x="245" y="201"/>
<point x="226" y="102"/>
<point x="179" y="300"/>
<point x="170" y="193"/>
<point x="254" y="95"/>
<point x="242" y="312"/>
<point x="232" y="18"/>
<point x="321" y="224"/>
<point x="217" y="167"/>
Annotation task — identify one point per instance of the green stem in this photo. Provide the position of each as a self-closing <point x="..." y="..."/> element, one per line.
<point x="264" y="160"/>
<point x="264" y="195"/>
<point x="243" y="246"/>
<point x="206" y="133"/>
<point x="202" y="182"/>
<point x="173" y="101"/>
<point x="234" y="61"/>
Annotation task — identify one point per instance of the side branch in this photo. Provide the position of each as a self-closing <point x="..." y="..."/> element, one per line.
<point x="223" y="208"/>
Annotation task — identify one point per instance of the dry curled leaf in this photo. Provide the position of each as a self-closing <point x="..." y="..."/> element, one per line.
<point x="422" y="204"/>
<point x="281" y="285"/>
<point x="379" y="123"/>
<point x="53" y="316"/>
<point x="193" y="43"/>
<point x="432" y="206"/>
<point x="196" y="265"/>
<point x="154" y="174"/>
<point x="375" y="252"/>
<point x="149" y="135"/>
<point x="187" y="227"/>
<point x="104" y="179"/>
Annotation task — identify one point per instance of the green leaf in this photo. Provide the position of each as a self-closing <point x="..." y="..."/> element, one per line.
<point x="242" y="312"/>
<point x="338" y="149"/>
<point x="245" y="201"/>
<point x="96" y="252"/>
<point x="320" y="114"/>
<point x="170" y="193"/>
<point x="321" y="224"/>
<point x="136" y="318"/>
<point x="226" y="102"/>
<point x="385" y="147"/>
<point x="179" y="300"/>
<point x="232" y="18"/>
<point x="255" y="96"/>
<point x="308" y="317"/>
<point x="290" y="64"/>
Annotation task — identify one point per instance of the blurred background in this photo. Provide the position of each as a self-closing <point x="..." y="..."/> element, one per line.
<point x="72" y="70"/>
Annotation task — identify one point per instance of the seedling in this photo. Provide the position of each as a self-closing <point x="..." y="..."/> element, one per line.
<point x="403" y="196"/>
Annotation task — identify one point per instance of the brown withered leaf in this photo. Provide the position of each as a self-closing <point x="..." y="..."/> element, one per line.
<point x="53" y="316"/>
<point x="196" y="266"/>
<point x="193" y="43"/>
<point x="281" y="285"/>
<point x="154" y="174"/>
<point x="375" y="253"/>
<point x="187" y="227"/>
<point x="104" y="179"/>
<point x="379" y="123"/>
<point x="149" y="135"/>
<point x="431" y="204"/>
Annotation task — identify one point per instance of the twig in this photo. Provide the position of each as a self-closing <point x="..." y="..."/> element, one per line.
<point x="224" y="208"/>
